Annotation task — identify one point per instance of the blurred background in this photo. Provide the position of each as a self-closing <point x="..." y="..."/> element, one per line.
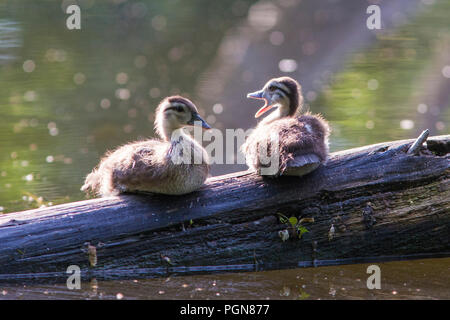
<point x="67" y="96"/>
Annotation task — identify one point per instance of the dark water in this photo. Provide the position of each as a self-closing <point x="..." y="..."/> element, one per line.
<point x="420" y="279"/>
<point x="68" y="96"/>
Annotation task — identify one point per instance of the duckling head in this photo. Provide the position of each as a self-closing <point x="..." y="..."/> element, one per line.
<point x="175" y="113"/>
<point x="282" y="93"/>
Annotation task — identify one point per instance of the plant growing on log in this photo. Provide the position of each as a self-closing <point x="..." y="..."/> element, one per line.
<point x="166" y="259"/>
<point x="302" y="295"/>
<point x="294" y="226"/>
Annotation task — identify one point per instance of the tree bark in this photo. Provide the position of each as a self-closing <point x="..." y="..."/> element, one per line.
<point x="374" y="203"/>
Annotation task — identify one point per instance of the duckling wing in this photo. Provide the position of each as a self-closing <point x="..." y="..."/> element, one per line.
<point x="149" y="167"/>
<point x="303" y="143"/>
<point x="141" y="162"/>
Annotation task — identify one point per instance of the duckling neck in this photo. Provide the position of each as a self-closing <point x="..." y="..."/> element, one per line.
<point x="178" y="136"/>
<point x="184" y="149"/>
<point x="281" y="112"/>
<point x="165" y="131"/>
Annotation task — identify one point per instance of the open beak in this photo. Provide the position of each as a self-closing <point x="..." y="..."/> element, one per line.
<point x="260" y="96"/>
<point x="198" y="121"/>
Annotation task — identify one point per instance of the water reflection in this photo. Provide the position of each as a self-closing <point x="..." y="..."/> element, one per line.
<point x="9" y="40"/>
<point x="420" y="279"/>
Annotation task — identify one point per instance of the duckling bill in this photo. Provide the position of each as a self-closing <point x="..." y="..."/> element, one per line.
<point x="156" y="165"/>
<point x="302" y="138"/>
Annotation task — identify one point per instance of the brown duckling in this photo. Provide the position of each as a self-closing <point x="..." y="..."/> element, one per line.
<point x="302" y="139"/>
<point x="175" y="164"/>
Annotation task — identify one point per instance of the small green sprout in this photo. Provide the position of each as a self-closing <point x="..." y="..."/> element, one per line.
<point x="301" y="230"/>
<point x="303" y="295"/>
<point x="294" y="224"/>
<point x="293" y="221"/>
<point x="283" y="218"/>
<point x="166" y="259"/>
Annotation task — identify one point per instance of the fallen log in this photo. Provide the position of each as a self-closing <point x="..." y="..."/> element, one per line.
<point x="376" y="203"/>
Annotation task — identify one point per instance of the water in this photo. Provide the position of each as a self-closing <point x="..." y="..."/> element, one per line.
<point x="68" y="96"/>
<point x="420" y="279"/>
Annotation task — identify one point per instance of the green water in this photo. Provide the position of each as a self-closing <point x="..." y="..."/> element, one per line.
<point x="68" y="96"/>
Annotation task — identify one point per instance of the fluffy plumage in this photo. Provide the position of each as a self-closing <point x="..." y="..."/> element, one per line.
<point x="302" y="139"/>
<point x="175" y="164"/>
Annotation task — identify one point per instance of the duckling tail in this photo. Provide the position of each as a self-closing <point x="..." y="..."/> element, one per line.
<point x="301" y="164"/>
<point x="92" y="182"/>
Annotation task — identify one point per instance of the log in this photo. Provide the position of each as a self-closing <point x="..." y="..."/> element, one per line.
<point x="375" y="203"/>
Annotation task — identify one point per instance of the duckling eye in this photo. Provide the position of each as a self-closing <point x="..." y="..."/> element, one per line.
<point x="177" y="108"/>
<point x="272" y="88"/>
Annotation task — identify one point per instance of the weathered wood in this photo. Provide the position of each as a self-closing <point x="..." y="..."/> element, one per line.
<point x="415" y="148"/>
<point x="381" y="202"/>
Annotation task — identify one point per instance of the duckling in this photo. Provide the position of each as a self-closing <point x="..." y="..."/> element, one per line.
<point x="175" y="164"/>
<point x="302" y="139"/>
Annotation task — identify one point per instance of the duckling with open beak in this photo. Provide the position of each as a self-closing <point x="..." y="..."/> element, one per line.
<point x="175" y="164"/>
<point x="302" y="139"/>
